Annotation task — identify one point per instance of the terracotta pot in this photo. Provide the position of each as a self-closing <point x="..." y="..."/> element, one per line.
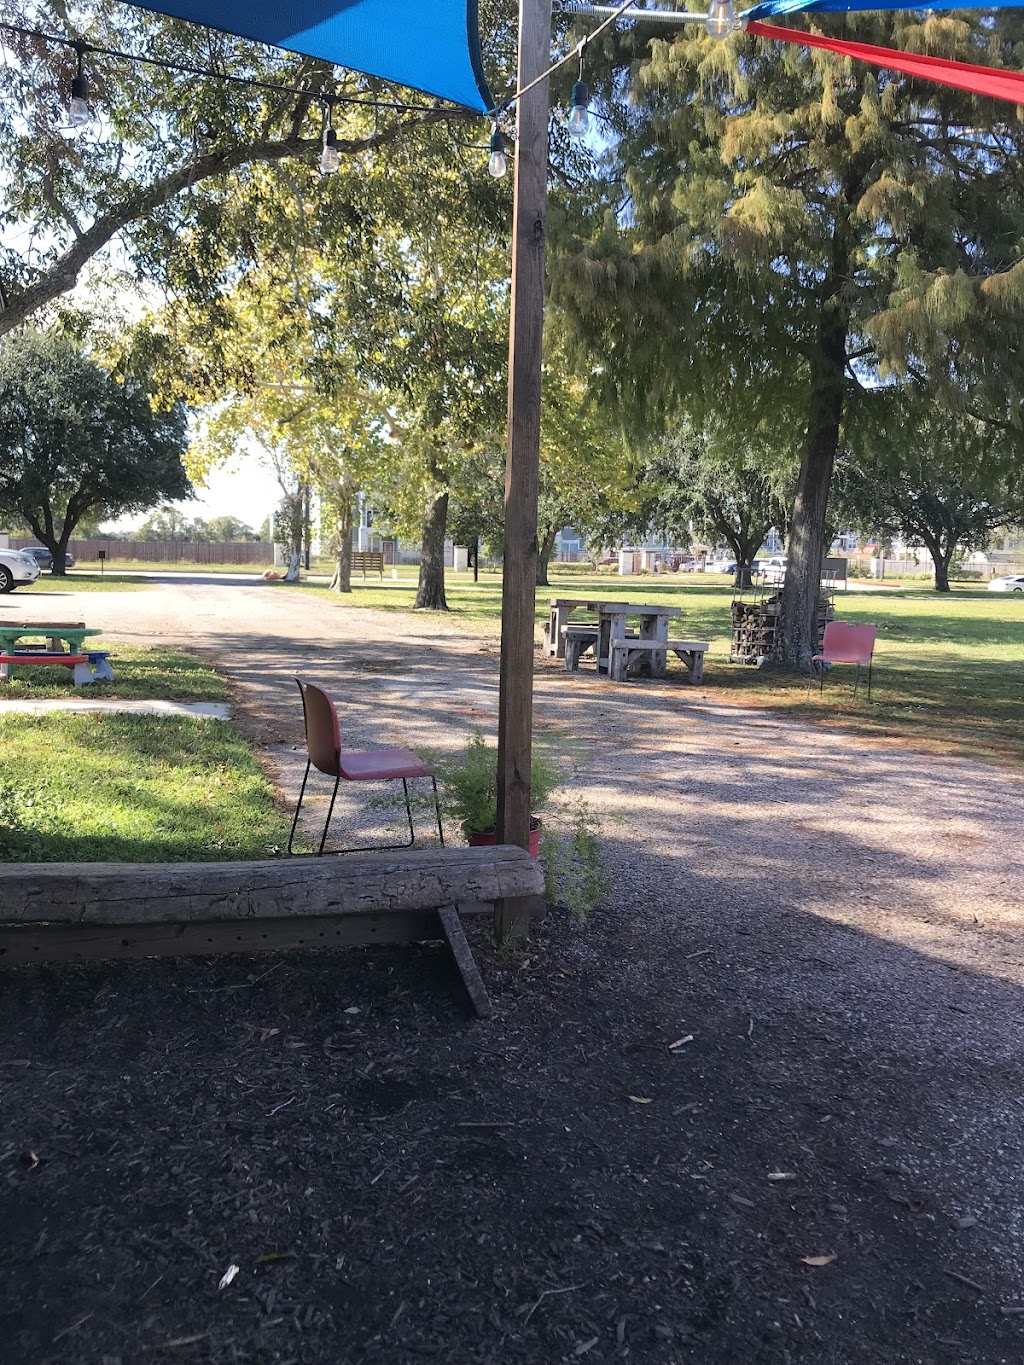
<point x="485" y="838"/>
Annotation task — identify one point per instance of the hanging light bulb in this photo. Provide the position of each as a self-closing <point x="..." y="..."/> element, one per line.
<point x="329" y="161"/>
<point x="497" y="165"/>
<point x="78" y="106"/>
<point x="579" y="119"/>
<point x="721" y="18"/>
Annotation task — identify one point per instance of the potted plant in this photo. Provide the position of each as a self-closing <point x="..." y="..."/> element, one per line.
<point x="470" y="792"/>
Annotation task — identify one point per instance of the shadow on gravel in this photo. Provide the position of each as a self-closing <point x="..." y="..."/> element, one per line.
<point x="397" y="1183"/>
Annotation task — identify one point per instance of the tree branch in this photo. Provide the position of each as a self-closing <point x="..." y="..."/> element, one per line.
<point x="63" y="274"/>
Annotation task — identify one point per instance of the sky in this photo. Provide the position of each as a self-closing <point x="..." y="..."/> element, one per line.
<point x="244" y="489"/>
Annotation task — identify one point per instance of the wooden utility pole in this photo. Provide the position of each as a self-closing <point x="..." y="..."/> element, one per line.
<point x="522" y="469"/>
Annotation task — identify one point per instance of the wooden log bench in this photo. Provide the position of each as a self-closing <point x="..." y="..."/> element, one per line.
<point x="627" y="652"/>
<point x="75" y="912"/>
<point x="368" y="561"/>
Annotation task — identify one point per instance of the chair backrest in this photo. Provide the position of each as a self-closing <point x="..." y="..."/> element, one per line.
<point x="323" y="732"/>
<point x="847" y="644"/>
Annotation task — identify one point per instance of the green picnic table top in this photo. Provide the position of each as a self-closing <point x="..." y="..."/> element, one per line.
<point x="72" y="635"/>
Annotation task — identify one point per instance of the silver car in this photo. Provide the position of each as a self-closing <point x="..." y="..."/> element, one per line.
<point x="16" y="568"/>
<point x="1010" y="582"/>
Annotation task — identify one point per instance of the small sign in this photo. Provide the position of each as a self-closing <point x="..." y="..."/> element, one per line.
<point x="101" y="556"/>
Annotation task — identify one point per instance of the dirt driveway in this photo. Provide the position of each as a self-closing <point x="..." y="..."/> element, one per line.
<point x="837" y="925"/>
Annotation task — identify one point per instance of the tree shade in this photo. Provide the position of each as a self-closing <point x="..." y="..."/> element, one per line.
<point x="428" y="45"/>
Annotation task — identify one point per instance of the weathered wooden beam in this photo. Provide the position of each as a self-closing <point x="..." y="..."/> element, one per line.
<point x="181" y="893"/>
<point x="522" y="474"/>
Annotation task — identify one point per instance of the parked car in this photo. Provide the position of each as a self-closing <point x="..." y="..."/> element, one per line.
<point x="44" y="559"/>
<point x="16" y="568"/>
<point x="1009" y="582"/>
<point x="720" y="566"/>
<point x="774" y="569"/>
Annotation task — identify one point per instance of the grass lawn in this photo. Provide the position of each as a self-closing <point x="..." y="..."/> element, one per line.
<point x="158" y="673"/>
<point x="128" y="788"/>
<point x="949" y="668"/>
<point x="77" y="581"/>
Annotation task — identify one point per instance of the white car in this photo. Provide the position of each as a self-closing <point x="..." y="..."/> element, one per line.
<point x="1010" y="582"/>
<point x="16" y="568"/>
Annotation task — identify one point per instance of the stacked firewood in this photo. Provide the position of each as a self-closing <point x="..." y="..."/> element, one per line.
<point x="754" y="625"/>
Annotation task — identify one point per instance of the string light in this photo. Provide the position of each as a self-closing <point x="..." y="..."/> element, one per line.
<point x="497" y="164"/>
<point x="721" y="19"/>
<point x="579" y="119"/>
<point x="79" y="113"/>
<point x="329" y="160"/>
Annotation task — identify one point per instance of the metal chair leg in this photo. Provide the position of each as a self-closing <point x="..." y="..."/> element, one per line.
<point x="302" y="792"/>
<point x="856" y="681"/>
<point x="437" y="812"/>
<point x="408" y="813"/>
<point x="330" y="812"/>
<point x="869" y="680"/>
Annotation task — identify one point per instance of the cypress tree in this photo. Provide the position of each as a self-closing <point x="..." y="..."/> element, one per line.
<point x="779" y="231"/>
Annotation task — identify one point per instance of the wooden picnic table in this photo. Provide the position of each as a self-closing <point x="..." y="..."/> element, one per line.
<point x="617" y="649"/>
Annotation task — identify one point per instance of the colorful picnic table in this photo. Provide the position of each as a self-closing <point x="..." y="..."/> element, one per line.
<point x="56" y="634"/>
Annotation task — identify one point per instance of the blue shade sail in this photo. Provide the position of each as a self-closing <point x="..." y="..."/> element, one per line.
<point x="768" y="9"/>
<point x="428" y="45"/>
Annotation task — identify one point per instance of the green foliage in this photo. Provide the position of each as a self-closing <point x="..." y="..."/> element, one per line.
<point x="574" y="871"/>
<point x="943" y="480"/>
<point x="168" y="523"/>
<point x="75" y="439"/>
<point x="469" y="786"/>
<point x="779" y="230"/>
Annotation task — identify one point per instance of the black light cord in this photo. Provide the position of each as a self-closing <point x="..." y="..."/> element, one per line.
<point x="82" y="48"/>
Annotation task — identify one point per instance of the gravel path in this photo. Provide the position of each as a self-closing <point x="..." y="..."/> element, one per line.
<point x="836" y="922"/>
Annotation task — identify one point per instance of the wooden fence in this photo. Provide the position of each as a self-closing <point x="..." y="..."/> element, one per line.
<point x="165" y="551"/>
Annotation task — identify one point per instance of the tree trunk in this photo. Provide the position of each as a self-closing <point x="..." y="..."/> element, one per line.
<point x="430" y="593"/>
<point x="797" y="638"/>
<point x="344" y="508"/>
<point x="545" y="549"/>
<point x="941" y="558"/>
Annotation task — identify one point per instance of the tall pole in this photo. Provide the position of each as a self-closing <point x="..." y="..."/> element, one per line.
<point x="522" y="469"/>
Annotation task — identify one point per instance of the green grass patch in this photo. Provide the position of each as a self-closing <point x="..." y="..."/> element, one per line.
<point x="126" y="788"/>
<point x="167" y="674"/>
<point x="77" y="581"/>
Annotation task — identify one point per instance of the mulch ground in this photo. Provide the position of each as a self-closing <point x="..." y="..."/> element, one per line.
<point x="396" y="1182"/>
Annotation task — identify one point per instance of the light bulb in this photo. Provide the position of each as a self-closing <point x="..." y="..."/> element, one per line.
<point x="329" y="160"/>
<point x="78" y="106"/>
<point x="497" y="165"/>
<point x="721" y="19"/>
<point x="579" y="119"/>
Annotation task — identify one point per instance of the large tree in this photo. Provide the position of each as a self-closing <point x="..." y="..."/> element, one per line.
<point x="174" y="172"/>
<point x="76" y="439"/>
<point x="943" y="481"/>
<point x="782" y="229"/>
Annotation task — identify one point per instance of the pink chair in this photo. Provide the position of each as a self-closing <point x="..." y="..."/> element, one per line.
<point x="324" y="752"/>
<point x="845" y="644"/>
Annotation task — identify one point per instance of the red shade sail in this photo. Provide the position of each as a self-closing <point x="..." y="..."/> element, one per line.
<point x="978" y="80"/>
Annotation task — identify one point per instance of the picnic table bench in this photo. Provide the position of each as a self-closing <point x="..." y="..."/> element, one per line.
<point x="75" y="912"/>
<point x="618" y="650"/>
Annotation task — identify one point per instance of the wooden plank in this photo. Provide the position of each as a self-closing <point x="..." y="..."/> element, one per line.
<point x="358" y="883"/>
<point x="454" y="933"/>
<point x="102" y="942"/>
<point x="519" y="580"/>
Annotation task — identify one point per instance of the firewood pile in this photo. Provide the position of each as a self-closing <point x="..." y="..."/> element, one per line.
<point x="754" y="624"/>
